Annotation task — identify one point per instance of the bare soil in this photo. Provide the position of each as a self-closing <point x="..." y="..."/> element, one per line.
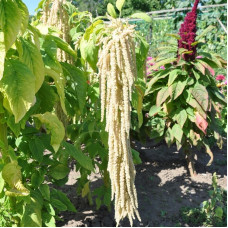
<point x="163" y="185"/>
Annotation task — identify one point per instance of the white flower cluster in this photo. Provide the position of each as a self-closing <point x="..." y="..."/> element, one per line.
<point x="117" y="72"/>
<point x="55" y="15"/>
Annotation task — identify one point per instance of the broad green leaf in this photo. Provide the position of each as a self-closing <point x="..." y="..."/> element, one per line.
<point x="31" y="56"/>
<point x="136" y="158"/>
<point x="208" y="29"/>
<point x="89" y="51"/>
<point x="219" y="212"/>
<point x="200" y="93"/>
<point x="173" y="75"/>
<point x="157" y="127"/>
<point x="162" y="63"/>
<point x="169" y="137"/>
<point x="37" y="149"/>
<point x="111" y="10"/>
<point x="47" y="98"/>
<point x="59" y="83"/>
<point x="18" y="87"/>
<point x="79" y="156"/>
<point x="32" y="215"/>
<point x="176" y="89"/>
<point x="56" y="194"/>
<point x="10" y="21"/>
<point x="25" y="15"/>
<point x="177" y="132"/>
<point x="48" y="220"/>
<point x="78" y="83"/>
<point x="119" y="4"/>
<point x="62" y="45"/>
<point x="11" y="173"/>
<point x="45" y="191"/>
<point x="142" y="16"/>
<point x="181" y="117"/>
<point x="154" y="109"/>
<point x="36" y="179"/>
<point x="58" y="205"/>
<point x="54" y="126"/>
<point x="162" y="95"/>
<point x="59" y="171"/>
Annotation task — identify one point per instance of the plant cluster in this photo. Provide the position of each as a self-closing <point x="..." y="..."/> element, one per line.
<point x="182" y="100"/>
<point x="212" y="212"/>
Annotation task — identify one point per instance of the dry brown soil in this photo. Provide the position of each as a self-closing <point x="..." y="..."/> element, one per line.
<point x="163" y="187"/>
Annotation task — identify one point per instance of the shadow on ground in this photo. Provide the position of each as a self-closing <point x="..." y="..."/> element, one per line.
<point x="163" y="187"/>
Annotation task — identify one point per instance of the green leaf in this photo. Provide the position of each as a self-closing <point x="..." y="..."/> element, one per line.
<point x="11" y="173"/>
<point x="89" y="52"/>
<point x="47" y="98"/>
<point x="60" y="84"/>
<point x="36" y="179"/>
<point x="18" y="87"/>
<point x="37" y="149"/>
<point x="154" y="109"/>
<point x="58" y="204"/>
<point x="208" y="29"/>
<point x="176" y="89"/>
<point x="45" y="191"/>
<point x="181" y="117"/>
<point x="177" y="132"/>
<point x="176" y="36"/>
<point x="142" y="16"/>
<point x="169" y="137"/>
<point x="163" y="62"/>
<point x="119" y="4"/>
<point x="173" y="75"/>
<point x="200" y="93"/>
<point x="54" y="126"/>
<point x="48" y="220"/>
<point x="111" y="10"/>
<point x="136" y="158"/>
<point x="32" y="215"/>
<point x="78" y="83"/>
<point x="59" y="171"/>
<point x="31" y="56"/>
<point x="58" y="195"/>
<point x="10" y="21"/>
<point x="162" y="95"/>
<point x="79" y="156"/>
<point x="219" y="212"/>
<point x="25" y="15"/>
<point x="62" y="45"/>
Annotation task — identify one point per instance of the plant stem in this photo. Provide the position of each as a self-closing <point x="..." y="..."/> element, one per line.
<point x="190" y="163"/>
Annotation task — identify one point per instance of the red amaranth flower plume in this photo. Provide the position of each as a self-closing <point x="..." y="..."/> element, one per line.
<point x="188" y="33"/>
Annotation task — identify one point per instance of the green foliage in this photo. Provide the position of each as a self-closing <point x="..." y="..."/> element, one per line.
<point x="182" y="100"/>
<point x="210" y="213"/>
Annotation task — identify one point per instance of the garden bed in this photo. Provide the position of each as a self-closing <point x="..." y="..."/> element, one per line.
<point x="163" y="184"/>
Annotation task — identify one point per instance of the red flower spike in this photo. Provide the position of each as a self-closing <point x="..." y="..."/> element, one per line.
<point x="187" y="33"/>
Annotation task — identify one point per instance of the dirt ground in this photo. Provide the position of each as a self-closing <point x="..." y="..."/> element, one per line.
<point x="163" y="187"/>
